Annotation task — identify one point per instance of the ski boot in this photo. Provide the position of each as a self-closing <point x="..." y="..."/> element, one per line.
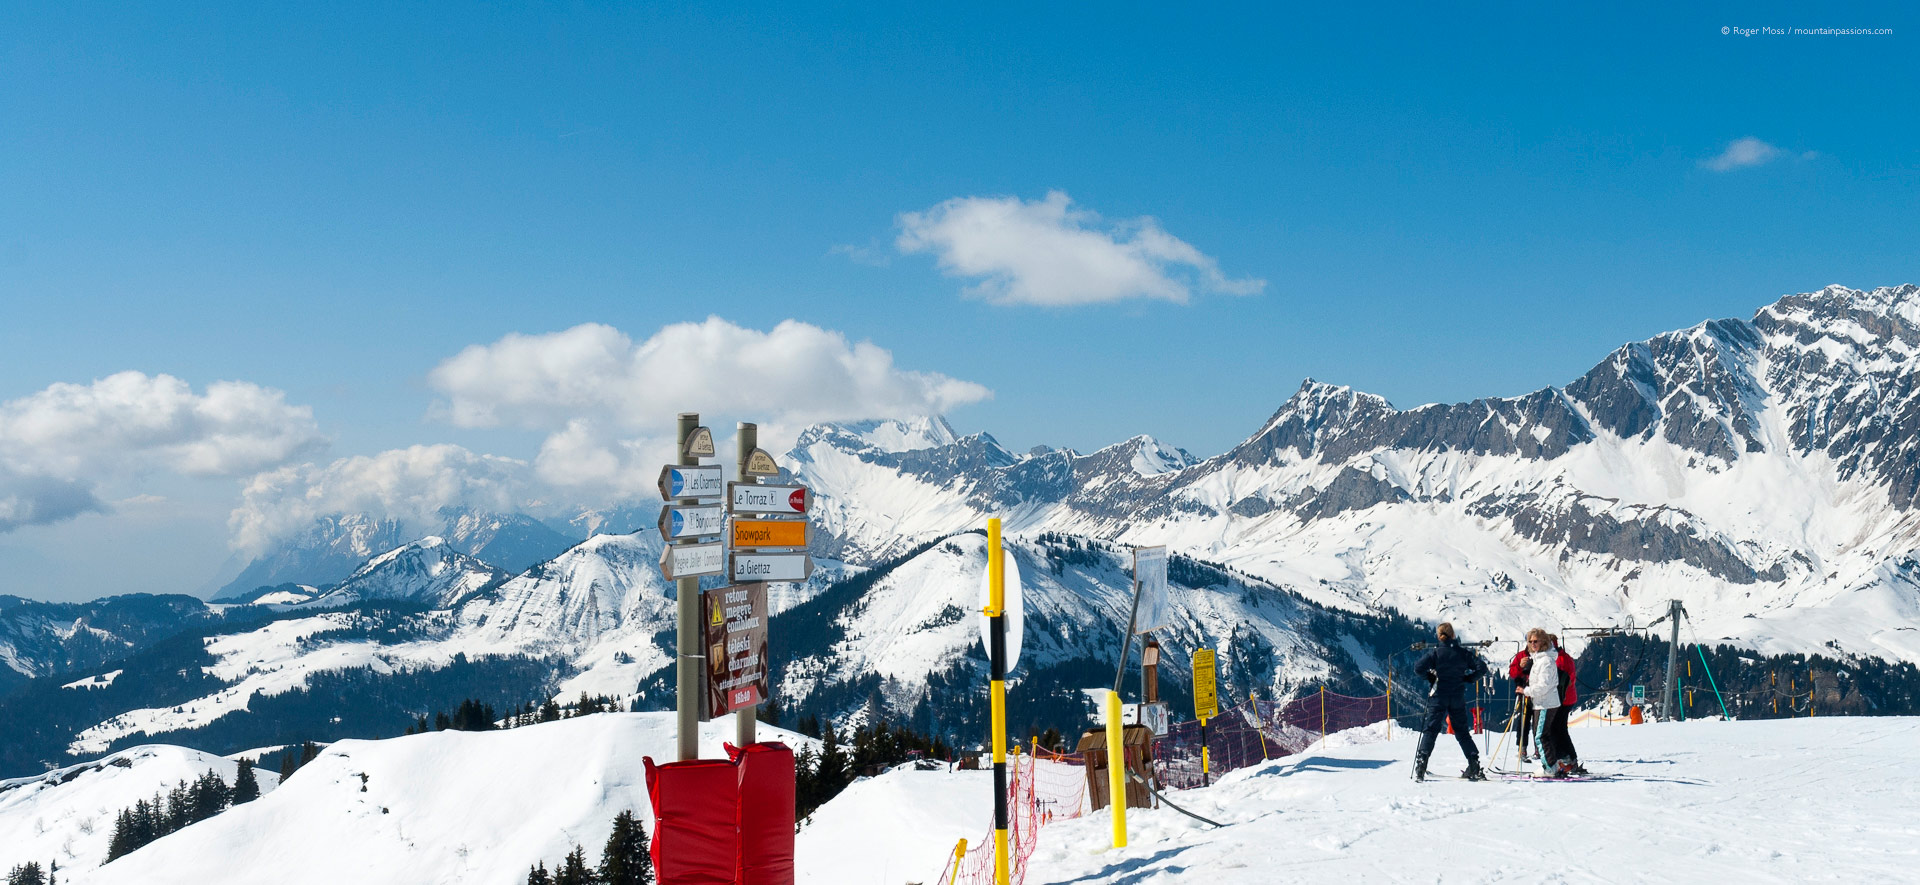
<point x="1474" y="772"/>
<point x="1419" y="769"/>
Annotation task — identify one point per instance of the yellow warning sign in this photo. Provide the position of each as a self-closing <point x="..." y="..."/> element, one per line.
<point x="1206" y="702"/>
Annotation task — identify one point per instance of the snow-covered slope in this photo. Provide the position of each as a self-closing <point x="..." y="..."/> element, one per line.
<point x="1764" y="472"/>
<point x="890" y="828"/>
<point x="444" y="807"/>
<point x="1794" y="800"/>
<point x="66" y="816"/>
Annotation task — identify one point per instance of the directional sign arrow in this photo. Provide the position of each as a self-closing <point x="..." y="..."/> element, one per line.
<point x="690" y="482"/>
<point x="693" y="560"/>
<point x="691" y="520"/>
<point x="769" y="533"/>
<point x="749" y="498"/>
<point x="772" y="566"/>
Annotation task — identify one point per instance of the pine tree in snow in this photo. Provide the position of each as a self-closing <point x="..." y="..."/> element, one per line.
<point x="574" y="871"/>
<point x="538" y="875"/>
<point x="246" y="787"/>
<point x="625" y="860"/>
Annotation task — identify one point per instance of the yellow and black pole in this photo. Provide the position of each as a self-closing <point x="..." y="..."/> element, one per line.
<point x="1206" y="759"/>
<point x="997" y="689"/>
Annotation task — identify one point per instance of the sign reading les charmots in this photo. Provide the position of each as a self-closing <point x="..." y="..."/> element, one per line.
<point x="736" y="641"/>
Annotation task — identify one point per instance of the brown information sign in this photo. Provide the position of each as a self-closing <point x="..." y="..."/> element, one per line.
<point x="736" y="644"/>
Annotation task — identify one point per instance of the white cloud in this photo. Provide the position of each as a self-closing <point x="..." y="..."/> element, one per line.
<point x="796" y="372"/>
<point x="58" y="445"/>
<point x="1047" y="252"/>
<point x="610" y="404"/>
<point x="1742" y="153"/>
<point x="410" y="485"/>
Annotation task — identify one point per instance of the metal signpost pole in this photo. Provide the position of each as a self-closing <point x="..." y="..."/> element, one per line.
<point x="689" y="665"/>
<point x="743" y="719"/>
<point x="1116" y="749"/>
<point x="997" y="661"/>
<point x="1673" y="658"/>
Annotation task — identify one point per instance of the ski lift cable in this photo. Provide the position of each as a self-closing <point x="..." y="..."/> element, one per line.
<point x="1702" y="651"/>
<point x="1163" y="799"/>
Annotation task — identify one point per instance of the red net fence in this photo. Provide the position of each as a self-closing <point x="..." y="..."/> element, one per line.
<point x="1023" y="830"/>
<point x="1043" y="787"/>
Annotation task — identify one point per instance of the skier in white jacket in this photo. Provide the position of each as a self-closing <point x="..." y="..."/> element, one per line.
<point x="1543" y="689"/>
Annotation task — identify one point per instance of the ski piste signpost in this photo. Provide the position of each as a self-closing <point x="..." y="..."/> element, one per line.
<point x="704" y="523"/>
<point x="724" y="821"/>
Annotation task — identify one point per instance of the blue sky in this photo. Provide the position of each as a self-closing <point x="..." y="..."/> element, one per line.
<point x="331" y="204"/>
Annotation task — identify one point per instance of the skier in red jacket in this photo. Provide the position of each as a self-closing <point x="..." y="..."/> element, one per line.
<point x="1527" y="712"/>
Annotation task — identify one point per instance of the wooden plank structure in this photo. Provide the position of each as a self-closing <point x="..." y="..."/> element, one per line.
<point x="1138" y="743"/>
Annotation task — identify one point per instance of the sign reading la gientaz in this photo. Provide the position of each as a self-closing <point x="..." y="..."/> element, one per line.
<point x="772" y="566"/>
<point x="736" y="645"/>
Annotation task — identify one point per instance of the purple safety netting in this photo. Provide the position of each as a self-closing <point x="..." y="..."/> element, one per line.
<point x="1256" y="731"/>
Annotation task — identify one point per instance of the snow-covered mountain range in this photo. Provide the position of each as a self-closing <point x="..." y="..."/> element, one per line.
<point x="1762" y="471"/>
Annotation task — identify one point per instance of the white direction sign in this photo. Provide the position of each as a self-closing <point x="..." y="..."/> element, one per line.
<point x="1015" y="611"/>
<point x="771" y="567"/>
<point x="1155" y="716"/>
<point x="691" y="520"/>
<point x="1150" y="583"/>
<point x="690" y="482"/>
<point x="748" y="498"/>
<point x="693" y="560"/>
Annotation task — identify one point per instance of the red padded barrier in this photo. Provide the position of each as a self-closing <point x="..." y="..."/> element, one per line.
<point x="696" y="812"/>
<point x="766" y="813"/>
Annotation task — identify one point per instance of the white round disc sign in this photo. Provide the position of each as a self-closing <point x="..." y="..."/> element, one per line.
<point x="1016" y="609"/>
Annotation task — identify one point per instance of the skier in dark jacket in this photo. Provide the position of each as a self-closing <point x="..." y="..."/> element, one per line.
<point x="1450" y="669"/>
